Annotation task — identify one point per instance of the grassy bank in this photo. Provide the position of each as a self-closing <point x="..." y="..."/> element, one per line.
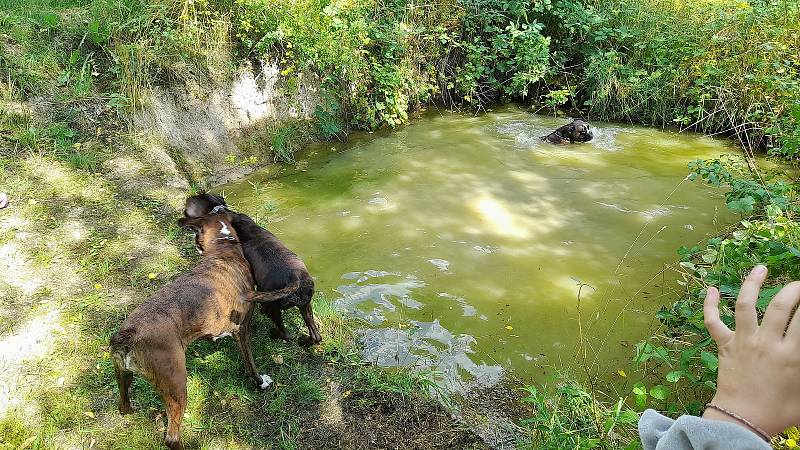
<point x="82" y="248"/>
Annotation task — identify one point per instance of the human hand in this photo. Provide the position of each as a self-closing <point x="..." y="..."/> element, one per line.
<point x="759" y="366"/>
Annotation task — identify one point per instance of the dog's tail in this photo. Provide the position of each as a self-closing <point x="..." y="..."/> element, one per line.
<point x="271" y="296"/>
<point x="121" y="343"/>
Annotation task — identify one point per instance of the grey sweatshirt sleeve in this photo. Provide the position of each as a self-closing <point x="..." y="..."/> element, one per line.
<point x="694" y="433"/>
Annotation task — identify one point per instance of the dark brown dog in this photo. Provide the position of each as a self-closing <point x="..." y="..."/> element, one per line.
<point x="576" y="131"/>
<point x="212" y="301"/>
<point x="279" y="273"/>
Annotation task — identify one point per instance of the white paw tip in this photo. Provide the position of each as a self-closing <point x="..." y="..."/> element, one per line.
<point x="265" y="381"/>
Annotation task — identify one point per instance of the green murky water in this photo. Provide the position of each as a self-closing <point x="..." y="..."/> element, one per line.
<point x="462" y="240"/>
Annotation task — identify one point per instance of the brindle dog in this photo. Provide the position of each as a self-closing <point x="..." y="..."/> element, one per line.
<point x="576" y="131"/>
<point x="279" y="273"/>
<point x="212" y="301"/>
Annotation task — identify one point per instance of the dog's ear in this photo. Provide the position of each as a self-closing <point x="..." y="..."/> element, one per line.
<point x="216" y="199"/>
<point x="191" y="224"/>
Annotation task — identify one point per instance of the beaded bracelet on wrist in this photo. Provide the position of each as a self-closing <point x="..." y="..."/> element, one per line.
<point x="764" y="435"/>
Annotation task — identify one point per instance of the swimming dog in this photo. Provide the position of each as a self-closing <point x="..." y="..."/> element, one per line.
<point x="576" y="131"/>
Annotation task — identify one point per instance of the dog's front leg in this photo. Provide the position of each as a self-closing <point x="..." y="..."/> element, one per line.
<point x="273" y="311"/>
<point x="242" y="337"/>
<point x="313" y="334"/>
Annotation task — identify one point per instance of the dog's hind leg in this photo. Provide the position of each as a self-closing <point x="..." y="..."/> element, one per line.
<point x="243" y="341"/>
<point x="124" y="378"/>
<point x="171" y="384"/>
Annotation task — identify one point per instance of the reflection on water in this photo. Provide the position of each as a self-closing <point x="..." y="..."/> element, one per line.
<point x="462" y="241"/>
<point x="382" y="295"/>
<point x="422" y="345"/>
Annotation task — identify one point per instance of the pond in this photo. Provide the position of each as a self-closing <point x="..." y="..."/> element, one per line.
<point x="465" y="242"/>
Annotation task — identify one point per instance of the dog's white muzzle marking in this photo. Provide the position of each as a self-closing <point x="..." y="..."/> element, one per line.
<point x="265" y="381"/>
<point x="221" y="336"/>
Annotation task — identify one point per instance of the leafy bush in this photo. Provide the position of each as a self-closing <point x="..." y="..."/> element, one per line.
<point x="382" y="60"/>
<point x="718" y="67"/>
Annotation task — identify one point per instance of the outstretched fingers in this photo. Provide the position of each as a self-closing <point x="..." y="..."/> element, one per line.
<point x="718" y="330"/>
<point x="746" y="317"/>
<point x="779" y="311"/>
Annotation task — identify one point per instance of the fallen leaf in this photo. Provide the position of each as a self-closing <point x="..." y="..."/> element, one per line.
<point x="98" y="286"/>
<point x="27" y="442"/>
<point x="151" y="276"/>
<point x="89" y="414"/>
<point x="622" y="373"/>
<point x="278" y="359"/>
<point x="509" y="327"/>
<point x="346" y="393"/>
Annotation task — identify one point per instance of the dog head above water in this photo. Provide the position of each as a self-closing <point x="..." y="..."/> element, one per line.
<point x="577" y="131"/>
<point x="202" y="204"/>
<point x="210" y="230"/>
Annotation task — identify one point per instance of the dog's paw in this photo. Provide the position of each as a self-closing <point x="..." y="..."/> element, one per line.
<point x="265" y="381"/>
<point x="308" y="341"/>
<point x="275" y="334"/>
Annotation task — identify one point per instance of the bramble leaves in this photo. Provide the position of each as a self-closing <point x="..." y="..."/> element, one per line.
<point x="659" y="392"/>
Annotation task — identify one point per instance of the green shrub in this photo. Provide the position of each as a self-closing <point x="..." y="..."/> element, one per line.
<point x="718" y="67"/>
